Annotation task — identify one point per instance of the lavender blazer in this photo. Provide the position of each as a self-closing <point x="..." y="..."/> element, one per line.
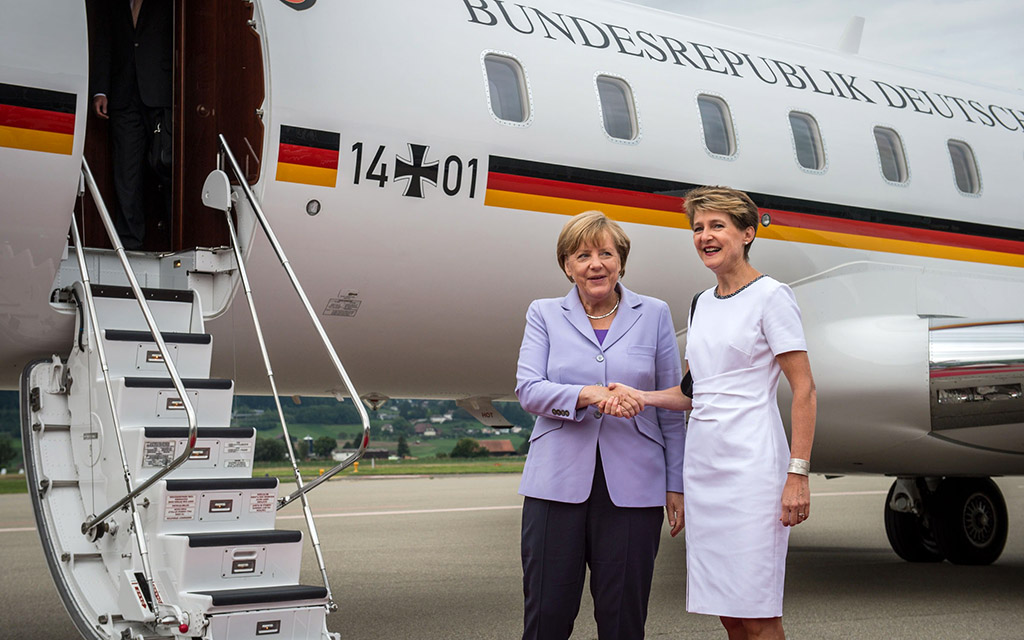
<point x="642" y="456"/>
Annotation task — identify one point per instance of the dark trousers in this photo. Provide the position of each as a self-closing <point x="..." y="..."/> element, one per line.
<point x="136" y="145"/>
<point x="561" y="540"/>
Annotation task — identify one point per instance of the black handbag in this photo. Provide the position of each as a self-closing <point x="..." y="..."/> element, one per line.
<point x="687" y="384"/>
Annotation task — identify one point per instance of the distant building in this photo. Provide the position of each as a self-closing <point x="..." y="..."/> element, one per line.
<point x="387" y="428"/>
<point x="441" y="419"/>
<point x="498" y="447"/>
<point x="424" y="429"/>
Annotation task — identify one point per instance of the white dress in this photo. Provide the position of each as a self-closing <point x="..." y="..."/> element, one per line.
<point x="736" y="456"/>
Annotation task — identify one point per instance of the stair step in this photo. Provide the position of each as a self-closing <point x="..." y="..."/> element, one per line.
<point x="219" y="452"/>
<point x="170" y="337"/>
<point x="201" y="432"/>
<point x="135" y="353"/>
<point x="163" y="295"/>
<point x="233" y="559"/>
<point x="306" y="622"/>
<point x="243" y="538"/>
<point x="135" y="382"/>
<point x="212" y="505"/>
<point x="175" y="310"/>
<point x="265" y="595"/>
<point x="222" y="484"/>
<point x="150" y="401"/>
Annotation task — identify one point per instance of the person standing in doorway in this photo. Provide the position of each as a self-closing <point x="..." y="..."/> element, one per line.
<point x="133" y="59"/>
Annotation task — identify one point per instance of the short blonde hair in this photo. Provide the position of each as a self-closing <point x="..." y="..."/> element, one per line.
<point x="587" y="228"/>
<point x="732" y="202"/>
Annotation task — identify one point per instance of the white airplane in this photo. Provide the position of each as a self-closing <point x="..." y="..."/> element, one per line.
<point x="415" y="161"/>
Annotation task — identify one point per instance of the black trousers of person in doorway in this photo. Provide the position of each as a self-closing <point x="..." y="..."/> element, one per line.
<point x="141" y="138"/>
<point x="559" y="542"/>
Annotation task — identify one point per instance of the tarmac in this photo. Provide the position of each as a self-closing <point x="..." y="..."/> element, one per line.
<point x="430" y="558"/>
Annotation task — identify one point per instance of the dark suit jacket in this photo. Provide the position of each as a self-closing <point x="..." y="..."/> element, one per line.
<point x="126" y="56"/>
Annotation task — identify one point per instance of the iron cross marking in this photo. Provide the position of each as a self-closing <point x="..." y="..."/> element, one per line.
<point x="415" y="171"/>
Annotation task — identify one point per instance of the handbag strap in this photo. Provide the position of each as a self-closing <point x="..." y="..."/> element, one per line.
<point x="693" y="305"/>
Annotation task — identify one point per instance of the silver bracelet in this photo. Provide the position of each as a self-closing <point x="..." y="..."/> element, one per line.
<point x="799" y="467"/>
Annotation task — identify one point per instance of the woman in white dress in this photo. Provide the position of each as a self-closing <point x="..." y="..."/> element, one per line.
<point x="744" y="486"/>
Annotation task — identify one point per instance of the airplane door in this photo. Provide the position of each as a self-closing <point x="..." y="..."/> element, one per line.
<point x="217" y="78"/>
<point x="219" y="90"/>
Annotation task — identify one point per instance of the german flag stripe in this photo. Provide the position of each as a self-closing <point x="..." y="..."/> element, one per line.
<point x="315" y="138"/>
<point x="30" y="140"/>
<point x="308" y="156"/>
<point x="33" y="98"/>
<point x="523" y="184"/>
<point x="36" y="119"/>
<point x="302" y="174"/>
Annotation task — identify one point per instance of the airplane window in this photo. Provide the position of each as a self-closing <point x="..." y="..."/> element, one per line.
<point x="810" y="153"/>
<point x="965" y="167"/>
<point x="506" y="85"/>
<point x="617" y="108"/>
<point x="717" y="122"/>
<point x="891" y="155"/>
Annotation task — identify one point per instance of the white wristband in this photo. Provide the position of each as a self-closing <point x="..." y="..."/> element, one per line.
<point x="799" y="467"/>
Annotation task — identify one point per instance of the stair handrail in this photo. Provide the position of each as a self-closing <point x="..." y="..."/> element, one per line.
<point x="328" y="347"/>
<point x="179" y="386"/>
<point x="306" y="511"/>
<point x="94" y="339"/>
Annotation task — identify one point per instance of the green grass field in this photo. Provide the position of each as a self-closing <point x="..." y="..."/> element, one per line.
<point x="12" y="483"/>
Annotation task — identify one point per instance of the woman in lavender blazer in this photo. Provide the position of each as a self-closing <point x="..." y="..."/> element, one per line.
<point x="594" y="484"/>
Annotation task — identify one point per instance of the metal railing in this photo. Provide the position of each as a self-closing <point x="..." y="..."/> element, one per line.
<point x="303" y="489"/>
<point x="129" y="499"/>
<point x="179" y="386"/>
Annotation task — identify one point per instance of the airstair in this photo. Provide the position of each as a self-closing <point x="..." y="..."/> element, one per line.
<point x="151" y="521"/>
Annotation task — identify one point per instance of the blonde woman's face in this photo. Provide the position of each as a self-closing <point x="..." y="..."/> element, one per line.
<point x="594" y="267"/>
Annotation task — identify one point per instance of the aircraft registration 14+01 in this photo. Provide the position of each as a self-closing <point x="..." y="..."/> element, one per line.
<point x="418" y="170"/>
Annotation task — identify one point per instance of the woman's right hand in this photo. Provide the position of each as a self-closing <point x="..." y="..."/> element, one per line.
<point x="622" y="401"/>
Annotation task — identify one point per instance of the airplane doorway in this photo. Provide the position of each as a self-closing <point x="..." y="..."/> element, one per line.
<point x="217" y="78"/>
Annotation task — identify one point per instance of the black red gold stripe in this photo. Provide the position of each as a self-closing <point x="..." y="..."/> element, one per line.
<point x="36" y="119"/>
<point x="535" y="186"/>
<point x="308" y="156"/>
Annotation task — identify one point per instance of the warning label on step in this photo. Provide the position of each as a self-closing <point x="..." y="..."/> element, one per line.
<point x="180" y="507"/>
<point x="158" y="453"/>
<point x="261" y="502"/>
<point x="240" y="446"/>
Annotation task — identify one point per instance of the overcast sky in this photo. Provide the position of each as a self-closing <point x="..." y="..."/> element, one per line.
<point x="979" y="40"/>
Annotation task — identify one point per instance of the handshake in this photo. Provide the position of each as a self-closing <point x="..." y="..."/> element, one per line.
<point x="620" y="400"/>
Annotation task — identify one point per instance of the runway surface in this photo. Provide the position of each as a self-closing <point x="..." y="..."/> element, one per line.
<point x="438" y="558"/>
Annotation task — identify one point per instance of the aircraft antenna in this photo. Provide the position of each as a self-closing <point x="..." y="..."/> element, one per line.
<point x="850" y="42"/>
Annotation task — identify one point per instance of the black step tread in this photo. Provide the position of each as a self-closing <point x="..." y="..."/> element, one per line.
<point x="163" y="295"/>
<point x="242" y="538"/>
<point x="173" y="337"/>
<point x="203" y="432"/>
<point x="222" y="484"/>
<point x="229" y="597"/>
<point x="165" y="383"/>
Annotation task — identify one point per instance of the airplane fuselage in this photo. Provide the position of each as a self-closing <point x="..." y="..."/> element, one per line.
<point x="434" y="220"/>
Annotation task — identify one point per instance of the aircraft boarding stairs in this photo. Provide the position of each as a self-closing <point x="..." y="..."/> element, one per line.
<point x="151" y="521"/>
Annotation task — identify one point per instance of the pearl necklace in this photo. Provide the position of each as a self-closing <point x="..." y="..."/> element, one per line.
<point x="605" y="315"/>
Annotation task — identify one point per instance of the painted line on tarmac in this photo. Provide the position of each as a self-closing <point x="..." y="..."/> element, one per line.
<point x="360" y="514"/>
<point x="405" y="512"/>
<point x="17" y="529"/>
